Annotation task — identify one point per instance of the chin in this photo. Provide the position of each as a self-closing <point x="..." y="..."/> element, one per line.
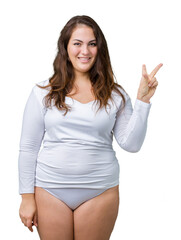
<point x="84" y="70"/>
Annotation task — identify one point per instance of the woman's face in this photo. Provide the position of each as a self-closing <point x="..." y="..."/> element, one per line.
<point x="82" y="48"/>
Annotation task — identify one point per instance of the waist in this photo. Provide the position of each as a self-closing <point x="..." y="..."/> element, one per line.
<point x="62" y="156"/>
<point x="79" y="145"/>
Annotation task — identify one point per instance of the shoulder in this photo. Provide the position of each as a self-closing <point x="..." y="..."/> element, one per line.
<point x="42" y="83"/>
<point x="40" y="93"/>
<point x="117" y="97"/>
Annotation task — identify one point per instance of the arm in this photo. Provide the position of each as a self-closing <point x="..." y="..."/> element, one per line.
<point x="131" y="125"/>
<point x="32" y="133"/>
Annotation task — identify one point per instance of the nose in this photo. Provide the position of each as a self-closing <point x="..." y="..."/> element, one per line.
<point x="85" y="49"/>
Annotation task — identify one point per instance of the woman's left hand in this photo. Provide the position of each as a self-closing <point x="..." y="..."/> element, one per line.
<point x="148" y="84"/>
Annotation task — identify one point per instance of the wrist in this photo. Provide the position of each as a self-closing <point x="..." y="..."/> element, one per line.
<point x="144" y="100"/>
<point x="27" y="196"/>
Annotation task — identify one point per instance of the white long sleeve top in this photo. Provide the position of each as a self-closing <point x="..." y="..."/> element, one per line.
<point x="77" y="149"/>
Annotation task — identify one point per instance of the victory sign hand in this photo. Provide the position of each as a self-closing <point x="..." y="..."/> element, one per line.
<point x="148" y="84"/>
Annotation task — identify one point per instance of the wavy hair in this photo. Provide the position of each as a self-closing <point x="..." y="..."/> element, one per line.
<point x="101" y="74"/>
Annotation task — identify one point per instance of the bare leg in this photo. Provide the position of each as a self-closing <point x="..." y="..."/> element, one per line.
<point x="95" y="219"/>
<point x="55" y="218"/>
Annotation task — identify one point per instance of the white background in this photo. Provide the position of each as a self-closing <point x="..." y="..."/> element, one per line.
<point x="137" y="32"/>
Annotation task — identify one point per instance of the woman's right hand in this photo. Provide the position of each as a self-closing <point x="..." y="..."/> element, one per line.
<point x="28" y="211"/>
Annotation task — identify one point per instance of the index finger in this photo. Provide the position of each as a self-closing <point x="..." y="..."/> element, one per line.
<point x="155" y="70"/>
<point x="144" y="71"/>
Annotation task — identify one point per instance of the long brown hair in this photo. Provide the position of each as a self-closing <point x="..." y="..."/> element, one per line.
<point x="101" y="73"/>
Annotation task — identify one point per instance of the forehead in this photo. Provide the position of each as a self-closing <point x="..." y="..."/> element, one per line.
<point x="82" y="32"/>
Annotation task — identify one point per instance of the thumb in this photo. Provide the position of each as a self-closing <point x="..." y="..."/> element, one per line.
<point x="29" y="224"/>
<point x="35" y="220"/>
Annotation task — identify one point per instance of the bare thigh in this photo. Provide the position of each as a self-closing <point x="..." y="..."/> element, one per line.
<point x="55" y="218"/>
<point x="95" y="219"/>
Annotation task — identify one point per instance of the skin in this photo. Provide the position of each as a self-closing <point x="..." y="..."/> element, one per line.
<point x="85" y="47"/>
<point x="148" y="84"/>
<point x="76" y="49"/>
<point x="27" y="211"/>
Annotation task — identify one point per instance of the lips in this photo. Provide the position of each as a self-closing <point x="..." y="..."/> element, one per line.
<point x="84" y="59"/>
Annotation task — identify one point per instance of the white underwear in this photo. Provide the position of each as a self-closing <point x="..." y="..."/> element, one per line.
<point x="74" y="197"/>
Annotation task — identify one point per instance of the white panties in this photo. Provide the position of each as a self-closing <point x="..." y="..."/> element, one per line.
<point x="74" y="197"/>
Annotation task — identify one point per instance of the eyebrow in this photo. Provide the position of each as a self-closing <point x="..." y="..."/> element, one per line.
<point x="82" y="41"/>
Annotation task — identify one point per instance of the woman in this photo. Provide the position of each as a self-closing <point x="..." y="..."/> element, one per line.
<point x="70" y="190"/>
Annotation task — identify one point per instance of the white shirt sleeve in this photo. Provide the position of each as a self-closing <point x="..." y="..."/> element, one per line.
<point x="131" y="125"/>
<point x="32" y="133"/>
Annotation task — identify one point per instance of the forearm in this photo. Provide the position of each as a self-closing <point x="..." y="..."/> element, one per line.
<point x="27" y="167"/>
<point x="131" y="126"/>
<point x="137" y="127"/>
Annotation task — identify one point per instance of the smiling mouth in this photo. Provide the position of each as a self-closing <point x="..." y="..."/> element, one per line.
<point x="83" y="59"/>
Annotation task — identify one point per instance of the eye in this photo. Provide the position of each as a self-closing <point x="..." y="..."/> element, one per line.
<point x="93" y="44"/>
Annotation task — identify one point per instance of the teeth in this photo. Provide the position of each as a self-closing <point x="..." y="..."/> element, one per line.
<point x="85" y="58"/>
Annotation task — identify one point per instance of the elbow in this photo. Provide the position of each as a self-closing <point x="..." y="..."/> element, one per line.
<point x="30" y="147"/>
<point x="131" y="144"/>
<point x="132" y="148"/>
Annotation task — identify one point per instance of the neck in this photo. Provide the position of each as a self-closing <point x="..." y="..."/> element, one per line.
<point x="82" y="78"/>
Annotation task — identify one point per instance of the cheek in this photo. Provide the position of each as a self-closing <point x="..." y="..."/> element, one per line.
<point x="73" y="52"/>
<point x="94" y="51"/>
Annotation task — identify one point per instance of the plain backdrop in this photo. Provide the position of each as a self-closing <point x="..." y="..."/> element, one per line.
<point x="137" y="32"/>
